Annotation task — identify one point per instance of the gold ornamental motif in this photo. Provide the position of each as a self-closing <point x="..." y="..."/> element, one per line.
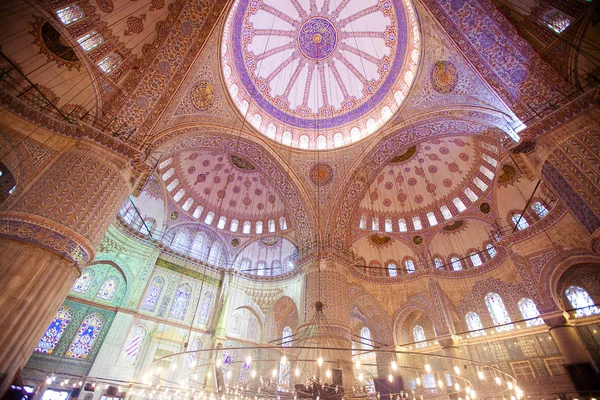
<point x="203" y="95"/>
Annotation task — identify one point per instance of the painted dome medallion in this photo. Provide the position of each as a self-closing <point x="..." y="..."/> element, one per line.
<point x="319" y="73"/>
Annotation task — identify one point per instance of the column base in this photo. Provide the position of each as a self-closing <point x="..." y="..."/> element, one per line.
<point x="34" y="282"/>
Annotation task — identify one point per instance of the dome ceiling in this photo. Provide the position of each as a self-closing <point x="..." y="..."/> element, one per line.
<point x="323" y="73"/>
<point x="204" y="181"/>
<point x="430" y="175"/>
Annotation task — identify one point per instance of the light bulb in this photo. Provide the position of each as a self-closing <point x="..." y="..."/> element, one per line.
<point x="509" y="384"/>
<point x="297" y="372"/>
<point x="283" y="359"/>
<point x="209" y="374"/>
<point x="229" y="374"/>
<point x="428" y="368"/>
<point x="48" y="381"/>
<point x="390" y="378"/>
<point x="320" y="361"/>
<point x="456" y="370"/>
<point x="219" y="363"/>
<point x="480" y="375"/>
<point x="440" y="384"/>
<point x="357" y="363"/>
<point x="456" y="386"/>
<point x="361" y="377"/>
<point x="418" y="381"/>
<point x="248" y="360"/>
<point x="274" y="373"/>
<point x="253" y="373"/>
<point x="394" y="365"/>
<point x="498" y="380"/>
<point x="328" y="373"/>
<point x="173" y="366"/>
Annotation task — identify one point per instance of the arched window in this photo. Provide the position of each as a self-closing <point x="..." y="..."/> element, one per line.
<point x="198" y="246"/>
<point x="86" y="337"/>
<point x="470" y="194"/>
<point x="480" y="184"/>
<point x="252" y="331"/>
<point x="402" y="225"/>
<point x="259" y="227"/>
<point x="539" y="209"/>
<point x="165" y="163"/>
<point x="375" y="223"/>
<point x="82" y="284"/>
<point x="55" y="330"/>
<point x="556" y="20"/>
<point x="188" y="204"/>
<point x="388" y="225"/>
<point x="276" y="268"/>
<point x="237" y="325"/>
<point x="271" y="225"/>
<point x="70" y="14"/>
<point x="475" y="259"/>
<point x="456" y="264"/>
<point x="90" y="41"/>
<point x="282" y="224"/>
<point x="284" y="376"/>
<point x="530" y="312"/>
<point x="247" y="227"/>
<point x="133" y="345"/>
<point x="191" y="357"/>
<point x="222" y="222"/>
<point x="198" y="212"/>
<point x="173" y="184"/>
<point x="410" y="266"/>
<point x="365" y="338"/>
<point x="234" y="225"/>
<point x="431" y="218"/>
<point x="286" y="337"/>
<point x="419" y="335"/>
<point x="581" y="301"/>
<point x="520" y="222"/>
<point x="214" y="256"/>
<point x="209" y="218"/>
<point x="109" y="63"/>
<point x="438" y="263"/>
<point x="108" y="289"/>
<point x="460" y="206"/>
<point x="260" y="268"/>
<point x="153" y="294"/>
<point x="205" y="309"/>
<point x="129" y="216"/>
<point x="180" y="303"/>
<point x="489" y="174"/>
<point x="246" y="265"/>
<point x="498" y="312"/>
<point x="491" y="250"/>
<point x="392" y="271"/>
<point x="474" y="324"/>
<point x="446" y="212"/>
<point x="168" y="174"/>
<point x="417" y="223"/>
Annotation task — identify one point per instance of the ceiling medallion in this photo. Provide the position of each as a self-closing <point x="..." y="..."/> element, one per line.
<point x="485" y="208"/>
<point x="418" y="239"/>
<point x="203" y="95"/>
<point x="380" y="240"/>
<point x="174" y="215"/>
<point x="456" y="225"/>
<point x="317" y="38"/>
<point x="404" y="156"/>
<point x="508" y="174"/>
<point x="444" y="77"/>
<point x="235" y="242"/>
<point x="241" y="163"/>
<point x="321" y="174"/>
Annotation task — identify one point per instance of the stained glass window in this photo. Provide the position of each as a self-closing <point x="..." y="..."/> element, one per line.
<point x="133" y="345"/>
<point x="245" y="369"/>
<point x="438" y="263"/>
<point x="191" y="357"/>
<point x="530" y="312"/>
<point x="70" y="14"/>
<point x="375" y="223"/>
<point x="581" y="301"/>
<point x="180" y="303"/>
<point x="491" y="250"/>
<point x="284" y="376"/>
<point x="206" y="308"/>
<point x="234" y="225"/>
<point x="237" y="324"/>
<point x="282" y="223"/>
<point x="247" y="227"/>
<point x="55" y="330"/>
<point x="456" y="264"/>
<point x="539" y="209"/>
<point x="260" y="268"/>
<point x="460" y="206"/>
<point x="410" y="266"/>
<point x="417" y="223"/>
<point x="520" y="222"/>
<point x="392" y="271"/>
<point x="259" y="227"/>
<point x="556" y="20"/>
<point x="475" y="259"/>
<point x="82" y="284"/>
<point x="474" y="324"/>
<point x="214" y="256"/>
<point x="498" y="312"/>
<point x="470" y="194"/>
<point x="402" y="225"/>
<point x="271" y="225"/>
<point x="480" y="184"/>
<point x="252" y="331"/>
<point x="108" y="289"/>
<point x="446" y="212"/>
<point x="86" y="337"/>
<point x="419" y="335"/>
<point x="90" y="41"/>
<point x="171" y="186"/>
<point x="286" y="337"/>
<point x="388" y="225"/>
<point x="153" y="294"/>
<point x="365" y="338"/>
<point x="198" y="212"/>
<point x="109" y="63"/>
<point x="431" y="218"/>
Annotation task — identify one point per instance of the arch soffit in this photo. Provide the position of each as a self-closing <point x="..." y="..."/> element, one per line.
<point x="254" y="313"/>
<point x="379" y="323"/>
<point x="120" y="270"/>
<point x="366" y="168"/>
<point x="404" y="315"/>
<point x="256" y="151"/>
<point x="286" y="307"/>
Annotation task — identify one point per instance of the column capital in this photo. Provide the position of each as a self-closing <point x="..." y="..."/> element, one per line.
<point x="557" y="319"/>
<point x="448" y="341"/>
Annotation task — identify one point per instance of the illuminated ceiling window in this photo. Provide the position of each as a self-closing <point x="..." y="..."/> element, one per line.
<point x="375" y="223"/>
<point x="271" y="225"/>
<point x="474" y="324"/>
<point x="456" y="264"/>
<point x="109" y="63"/>
<point x="365" y="336"/>
<point x="446" y="212"/>
<point x="438" y="263"/>
<point x="165" y="163"/>
<point x="198" y="212"/>
<point x="402" y="225"/>
<point x="470" y="194"/>
<point x="172" y="185"/>
<point x="168" y="174"/>
<point x="520" y="222"/>
<point x="188" y="204"/>
<point x="259" y="227"/>
<point x="282" y="224"/>
<point x="489" y="159"/>
<point x="209" y="218"/>
<point x="475" y="259"/>
<point x="480" y="184"/>
<point x="486" y="172"/>
<point x="90" y="41"/>
<point x="491" y="250"/>
<point x="539" y="209"/>
<point x="417" y="223"/>
<point x="70" y="14"/>
<point x="222" y="222"/>
<point x="431" y="218"/>
<point x="410" y="266"/>
<point x="419" y="336"/>
<point x="530" y="312"/>
<point x="460" y="206"/>
<point x="234" y="225"/>
<point x="392" y="271"/>
<point x="247" y="227"/>
<point x="388" y="225"/>
<point x="581" y="301"/>
<point x="498" y="312"/>
<point x="179" y="195"/>
<point x="556" y="20"/>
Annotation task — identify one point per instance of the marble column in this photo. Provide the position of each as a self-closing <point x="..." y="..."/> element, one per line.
<point x="47" y="236"/>
<point x="450" y="348"/>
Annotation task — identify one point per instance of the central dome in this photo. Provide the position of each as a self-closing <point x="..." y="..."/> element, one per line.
<point x="320" y="74"/>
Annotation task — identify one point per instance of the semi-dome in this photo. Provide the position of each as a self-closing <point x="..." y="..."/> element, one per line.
<point x="320" y="75"/>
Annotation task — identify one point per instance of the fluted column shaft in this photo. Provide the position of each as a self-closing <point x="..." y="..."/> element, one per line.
<point x="46" y="237"/>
